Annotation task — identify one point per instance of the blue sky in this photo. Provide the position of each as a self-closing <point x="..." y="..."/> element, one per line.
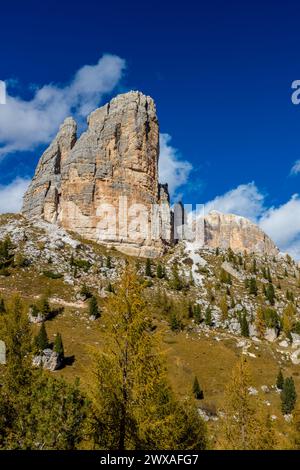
<point x="220" y="73"/>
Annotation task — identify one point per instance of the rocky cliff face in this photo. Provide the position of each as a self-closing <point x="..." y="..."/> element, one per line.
<point x="104" y="185"/>
<point x="237" y="233"/>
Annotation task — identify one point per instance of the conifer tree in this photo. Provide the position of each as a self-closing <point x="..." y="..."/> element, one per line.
<point x="190" y="310"/>
<point x="108" y="262"/>
<point x="280" y="380"/>
<point x="148" y="269"/>
<point x="208" y="317"/>
<point x="160" y="271"/>
<point x="254" y="267"/>
<point x="38" y="411"/>
<point x="244" y="326"/>
<point x="175" y="323"/>
<point x="245" y="426"/>
<point x="288" y="396"/>
<point x="253" y="286"/>
<point x="16" y="333"/>
<point x="58" y="346"/>
<point x="45" y="306"/>
<point x="41" y="341"/>
<point x="225" y="277"/>
<point x="224" y="308"/>
<point x="133" y="406"/>
<point x="260" y="323"/>
<point x="197" y="314"/>
<point x="288" y="319"/>
<point x="6" y="252"/>
<point x="2" y="306"/>
<point x="94" y="310"/>
<point x="197" y="391"/>
<point x="270" y="293"/>
<point x="296" y="433"/>
<point x="264" y="273"/>
<point x="176" y="282"/>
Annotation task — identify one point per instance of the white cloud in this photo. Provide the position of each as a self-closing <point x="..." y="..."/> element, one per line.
<point x="26" y="124"/>
<point x="172" y="170"/>
<point x="282" y="223"/>
<point x="245" y="200"/>
<point x="295" y="168"/>
<point x="11" y="195"/>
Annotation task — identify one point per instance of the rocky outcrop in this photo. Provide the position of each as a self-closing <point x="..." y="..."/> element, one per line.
<point x="42" y="198"/>
<point x="104" y="185"/>
<point x="48" y="359"/>
<point x="237" y="233"/>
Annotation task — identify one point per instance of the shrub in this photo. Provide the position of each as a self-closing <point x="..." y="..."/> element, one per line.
<point x="82" y="264"/>
<point x="197" y="390"/>
<point x="52" y="275"/>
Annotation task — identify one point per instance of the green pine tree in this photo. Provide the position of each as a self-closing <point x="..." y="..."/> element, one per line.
<point x="44" y="306"/>
<point x="280" y="380"/>
<point x="270" y="293"/>
<point x="148" y="268"/>
<point x="176" y="282"/>
<point x="160" y="271"/>
<point x="244" y="326"/>
<point x="197" y="314"/>
<point x="253" y="286"/>
<point x="94" y="310"/>
<point x="208" y="317"/>
<point x="37" y="411"/>
<point x="264" y="273"/>
<point x="288" y="396"/>
<point x="41" y="341"/>
<point x="58" y="345"/>
<point x="197" y="391"/>
<point x="2" y="306"/>
<point x="175" y="322"/>
<point x="254" y="267"/>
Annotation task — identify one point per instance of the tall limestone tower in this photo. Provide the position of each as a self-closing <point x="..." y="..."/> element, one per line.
<point x="104" y="185"/>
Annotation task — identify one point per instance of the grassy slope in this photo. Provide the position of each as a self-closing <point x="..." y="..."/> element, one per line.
<point x="187" y="354"/>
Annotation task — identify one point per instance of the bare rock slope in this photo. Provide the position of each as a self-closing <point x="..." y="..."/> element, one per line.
<point x="235" y="232"/>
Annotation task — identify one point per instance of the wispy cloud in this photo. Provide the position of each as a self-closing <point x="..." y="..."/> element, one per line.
<point x="25" y="124"/>
<point x="245" y="200"/>
<point x="11" y="195"/>
<point x="282" y="224"/>
<point x="295" y="168"/>
<point x="172" y="169"/>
